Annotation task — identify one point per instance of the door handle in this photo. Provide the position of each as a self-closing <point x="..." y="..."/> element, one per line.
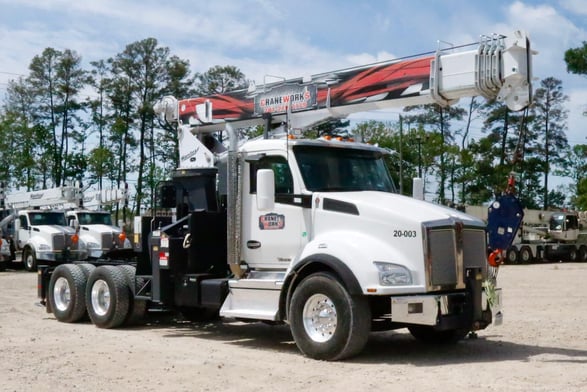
<point x="253" y="244"/>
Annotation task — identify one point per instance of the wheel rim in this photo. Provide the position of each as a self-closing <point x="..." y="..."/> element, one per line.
<point x="62" y="294"/>
<point x="320" y="319"/>
<point x="100" y="297"/>
<point x="29" y="261"/>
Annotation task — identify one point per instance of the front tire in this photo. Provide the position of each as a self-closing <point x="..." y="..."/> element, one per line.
<point x="326" y="321"/>
<point x="29" y="260"/>
<point x="67" y="293"/>
<point x="107" y="297"/>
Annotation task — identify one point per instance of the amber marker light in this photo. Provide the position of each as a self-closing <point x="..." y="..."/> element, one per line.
<point x="122" y="237"/>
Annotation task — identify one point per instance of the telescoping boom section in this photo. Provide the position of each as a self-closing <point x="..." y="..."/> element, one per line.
<point x="499" y="67"/>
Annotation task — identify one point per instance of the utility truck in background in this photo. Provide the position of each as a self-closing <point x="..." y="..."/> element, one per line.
<point x="34" y="227"/>
<point x="545" y="236"/>
<point x="310" y="233"/>
<point x="102" y="238"/>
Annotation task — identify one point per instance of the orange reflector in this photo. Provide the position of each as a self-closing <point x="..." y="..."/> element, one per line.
<point x="122" y="236"/>
<point x="328" y="137"/>
<point x="290" y="137"/>
<point x="339" y="138"/>
<point x="74" y="238"/>
<point x="371" y="290"/>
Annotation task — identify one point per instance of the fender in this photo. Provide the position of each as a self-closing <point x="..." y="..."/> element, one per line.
<point x="314" y="263"/>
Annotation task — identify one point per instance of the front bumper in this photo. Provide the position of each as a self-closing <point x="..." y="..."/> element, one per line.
<point x="448" y="311"/>
<point x="59" y="255"/>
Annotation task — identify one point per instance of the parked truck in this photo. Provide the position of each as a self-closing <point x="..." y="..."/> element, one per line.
<point x="35" y="228"/>
<point x="545" y="236"/>
<point x="102" y="238"/>
<point x="310" y="233"/>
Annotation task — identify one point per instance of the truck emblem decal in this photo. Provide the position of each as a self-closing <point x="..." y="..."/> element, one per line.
<point x="279" y="99"/>
<point x="272" y="221"/>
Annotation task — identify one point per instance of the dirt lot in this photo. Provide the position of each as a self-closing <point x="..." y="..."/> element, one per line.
<point x="542" y="346"/>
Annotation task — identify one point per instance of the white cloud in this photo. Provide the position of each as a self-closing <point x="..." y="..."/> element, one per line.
<point x="574" y="6"/>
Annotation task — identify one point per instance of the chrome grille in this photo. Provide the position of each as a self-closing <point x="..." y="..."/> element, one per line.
<point x="58" y="241"/>
<point x="451" y="249"/>
<point x="442" y="257"/>
<point x="106" y="240"/>
<point x="473" y="241"/>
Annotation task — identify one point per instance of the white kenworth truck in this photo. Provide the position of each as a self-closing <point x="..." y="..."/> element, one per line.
<point x="36" y="230"/>
<point x="102" y="238"/>
<point x="310" y="233"/>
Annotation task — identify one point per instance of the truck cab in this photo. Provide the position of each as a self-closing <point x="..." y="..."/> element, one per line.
<point x="564" y="226"/>
<point x="43" y="235"/>
<point x="98" y="232"/>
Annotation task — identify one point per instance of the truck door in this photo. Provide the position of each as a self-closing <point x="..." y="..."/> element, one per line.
<point x="24" y="231"/>
<point x="271" y="239"/>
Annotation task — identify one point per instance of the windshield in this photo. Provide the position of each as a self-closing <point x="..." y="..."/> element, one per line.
<point x="93" y="218"/>
<point x="327" y="169"/>
<point x="47" y="218"/>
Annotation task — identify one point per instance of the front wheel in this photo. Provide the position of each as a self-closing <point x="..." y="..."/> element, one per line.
<point x="326" y="321"/>
<point x="30" y="260"/>
<point x="107" y="297"/>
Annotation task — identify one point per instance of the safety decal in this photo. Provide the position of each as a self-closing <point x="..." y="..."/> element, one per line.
<point x="272" y="221"/>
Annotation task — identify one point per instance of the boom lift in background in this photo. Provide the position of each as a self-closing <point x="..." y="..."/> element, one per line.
<point x="34" y="226"/>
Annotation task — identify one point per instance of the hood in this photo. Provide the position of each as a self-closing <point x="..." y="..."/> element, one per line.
<point x="99" y="229"/>
<point x="386" y="206"/>
<point x="55" y="229"/>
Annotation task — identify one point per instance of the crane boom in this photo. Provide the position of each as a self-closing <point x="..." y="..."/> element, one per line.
<point x="498" y="68"/>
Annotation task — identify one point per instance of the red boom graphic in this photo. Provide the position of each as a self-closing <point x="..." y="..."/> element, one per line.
<point x="377" y="82"/>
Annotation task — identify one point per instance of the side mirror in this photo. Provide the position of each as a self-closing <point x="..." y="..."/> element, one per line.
<point x="265" y="190"/>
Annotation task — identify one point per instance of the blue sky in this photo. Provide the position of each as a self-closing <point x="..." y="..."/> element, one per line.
<point x="293" y="38"/>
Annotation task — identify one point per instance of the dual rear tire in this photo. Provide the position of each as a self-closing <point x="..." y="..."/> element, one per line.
<point x="105" y="294"/>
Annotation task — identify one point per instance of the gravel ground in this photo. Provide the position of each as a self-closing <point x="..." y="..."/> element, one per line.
<point x="540" y="347"/>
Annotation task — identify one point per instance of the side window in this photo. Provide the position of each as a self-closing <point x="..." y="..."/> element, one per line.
<point x="23" y="222"/>
<point x="281" y="171"/>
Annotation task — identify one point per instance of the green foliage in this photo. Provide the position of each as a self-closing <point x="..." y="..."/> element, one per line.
<point x="576" y="59"/>
<point x="220" y="79"/>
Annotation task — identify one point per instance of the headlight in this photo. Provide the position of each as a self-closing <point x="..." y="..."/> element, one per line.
<point x="92" y="245"/>
<point x="44" y="247"/>
<point x="393" y="274"/>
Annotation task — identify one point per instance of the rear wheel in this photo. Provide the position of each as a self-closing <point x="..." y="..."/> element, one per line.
<point x="326" y="321"/>
<point x="573" y="254"/>
<point x="30" y="260"/>
<point x="67" y="293"/>
<point x="582" y="254"/>
<point x="107" y="297"/>
<point x="428" y="334"/>
<point x="137" y="307"/>
<point x="512" y="255"/>
<point x="526" y="255"/>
